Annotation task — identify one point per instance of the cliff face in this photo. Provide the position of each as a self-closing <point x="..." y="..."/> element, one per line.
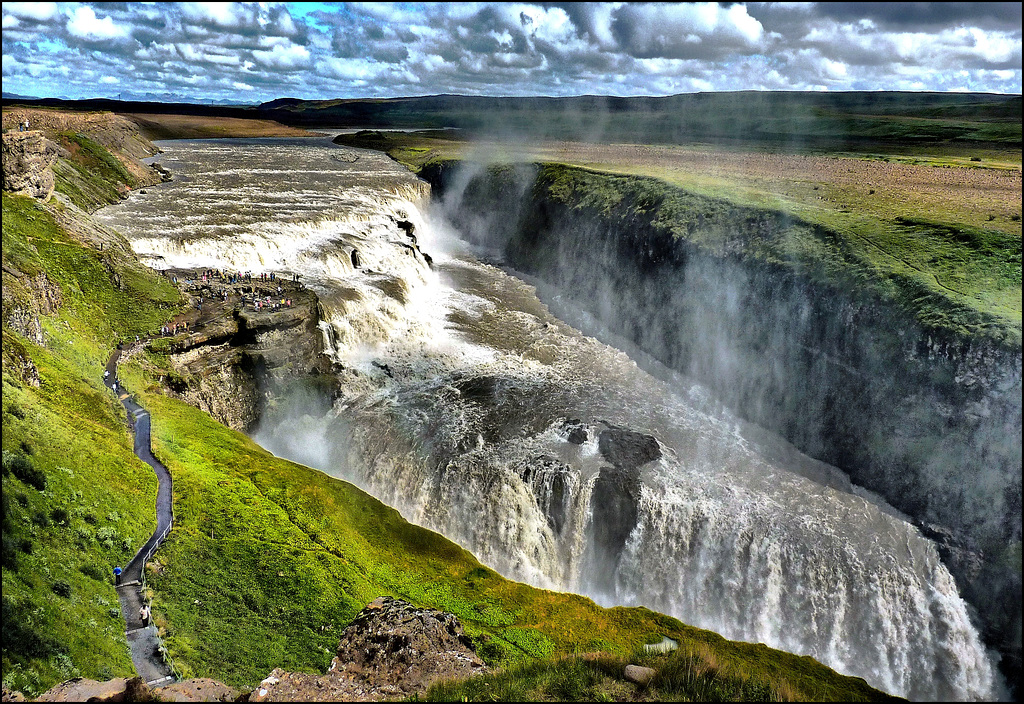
<point x="234" y="357"/>
<point x="926" y="416"/>
<point x="28" y="158"/>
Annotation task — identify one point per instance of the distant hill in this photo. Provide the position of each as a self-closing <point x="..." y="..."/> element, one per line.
<point x="852" y="120"/>
<point x="783" y="118"/>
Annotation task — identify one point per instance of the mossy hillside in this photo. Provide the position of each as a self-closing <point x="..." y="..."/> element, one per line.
<point x="60" y="543"/>
<point x="89" y="174"/>
<point x="106" y="296"/>
<point x="962" y="279"/>
<point x="268" y="560"/>
<point x="696" y="672"/>
<point x="76" y="500"/>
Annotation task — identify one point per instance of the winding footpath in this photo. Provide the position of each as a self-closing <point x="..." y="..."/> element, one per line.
<point x="144" y="641"/>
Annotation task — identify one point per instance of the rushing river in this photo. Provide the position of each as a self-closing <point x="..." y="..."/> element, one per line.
<point x="555" y="458"/>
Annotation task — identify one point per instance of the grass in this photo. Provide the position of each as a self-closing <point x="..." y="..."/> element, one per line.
<point x="957" y="277"/>
<point x="91" y="509"/>
<point x="696" y="672"/>
<point x="90" y="176"/>
<point x="86" y="504"/>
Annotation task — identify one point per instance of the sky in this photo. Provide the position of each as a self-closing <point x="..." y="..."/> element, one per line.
<point x="254" y="52"/>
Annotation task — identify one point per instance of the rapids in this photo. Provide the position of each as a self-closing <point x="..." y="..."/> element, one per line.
<point x="554" y="458"/>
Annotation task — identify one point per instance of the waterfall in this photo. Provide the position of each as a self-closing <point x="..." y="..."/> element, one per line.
<point x="469" y="407"/>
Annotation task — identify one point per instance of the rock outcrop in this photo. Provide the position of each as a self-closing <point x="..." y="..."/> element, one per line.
<point x="119" y="689"/>
<point x="390" y="650"/>
<point x="233" y="356"/>
<point x="28" y="159"/>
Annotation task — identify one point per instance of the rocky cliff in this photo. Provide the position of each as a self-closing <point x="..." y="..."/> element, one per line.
<point x="928" y="416"/>
<point x="28" y="159"/>
<point x="233" y="357"/>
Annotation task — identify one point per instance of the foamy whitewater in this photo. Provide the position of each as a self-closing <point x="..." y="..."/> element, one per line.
<point x="469" y="407"/>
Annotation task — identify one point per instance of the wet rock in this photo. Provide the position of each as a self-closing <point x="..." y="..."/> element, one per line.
<point x="549" y="483"/>
<point x="408" y="228"/>
<point x="577" y="430"/>
<point x="615" y="499"/>
<point x="626" y="449"/>
<point x="28" y="158"/>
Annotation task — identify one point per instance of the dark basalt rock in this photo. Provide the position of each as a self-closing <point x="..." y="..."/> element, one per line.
<point x="626" y="449"/>
<point x="577" y="430"/>
<point x="615" y="499"/>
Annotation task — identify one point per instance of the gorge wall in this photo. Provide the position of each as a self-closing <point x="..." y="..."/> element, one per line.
<point x="927" y="415"/>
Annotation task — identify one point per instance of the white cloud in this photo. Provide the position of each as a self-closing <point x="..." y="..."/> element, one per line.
<point x="84" y="23"/>
<point x="288" y="58"/>
<point x="39" y="11"/>
<point x="191" y="54"/>
<point x="222" y="14"/>
<point x="109" y="80"/>
<point x="503" y="48"/>
<point x="351" y="69"/>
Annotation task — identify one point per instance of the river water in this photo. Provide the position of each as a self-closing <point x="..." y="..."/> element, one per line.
<point x="553" y="457"/>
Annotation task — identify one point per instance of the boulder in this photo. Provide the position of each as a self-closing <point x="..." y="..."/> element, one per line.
<point x="28" y="158"/>
<point x="639" y="674"/>
<point x="199" y="689"/>
<point x="390" y="650"/>
<point x="393" y="642"/>
<point x="81" y="689"/>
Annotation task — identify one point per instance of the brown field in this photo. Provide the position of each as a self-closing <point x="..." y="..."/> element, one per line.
<point x="982" y="194"/>
<point x="198" y="127"/>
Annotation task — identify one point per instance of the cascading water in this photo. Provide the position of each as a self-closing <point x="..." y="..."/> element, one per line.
<point x="554" y="458"/>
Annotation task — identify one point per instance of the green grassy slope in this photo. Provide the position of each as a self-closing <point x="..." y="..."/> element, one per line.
<point x="76" y="502"/>
<point x="955" y="277"/>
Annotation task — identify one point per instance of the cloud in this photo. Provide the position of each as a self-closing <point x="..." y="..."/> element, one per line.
<point x="695" y="30"/>
<point x="288" y="57"/>
<point x="38" y="11"/>
<point x="372" y="49"/>
<point x="84" y="23"/>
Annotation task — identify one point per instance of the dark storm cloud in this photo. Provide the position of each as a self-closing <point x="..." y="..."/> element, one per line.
<point x="258" y="51"/>
<point x="925" y="15"/>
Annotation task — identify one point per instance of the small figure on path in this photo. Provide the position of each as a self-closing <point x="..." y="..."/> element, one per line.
<point x="117" y="572"/>
<point x="144" y="614"/>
